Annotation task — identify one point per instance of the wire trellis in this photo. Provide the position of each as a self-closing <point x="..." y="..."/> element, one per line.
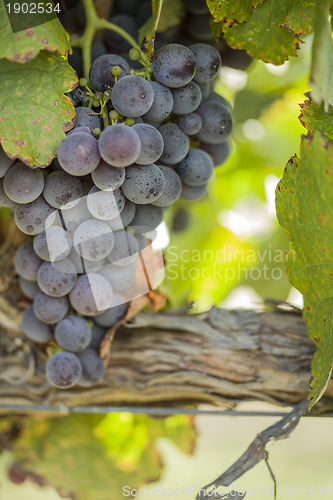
<point x="160" y="411"/>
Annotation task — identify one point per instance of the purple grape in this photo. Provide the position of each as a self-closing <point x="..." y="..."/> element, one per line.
<point x="78" y="154"/>
<point x="174" y="65"/>
<point x="73" y="333"/>
<point x="27" y="262"/>
<point x="91" y="295"/>
<point x="63" y="370"/>
<point x="34" y="328"/>
<point x="92" y="367"/>
<point x="50" y="310"/>
<point x="119" y="145"/>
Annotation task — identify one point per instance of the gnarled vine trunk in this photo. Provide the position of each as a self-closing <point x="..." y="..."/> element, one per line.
<point x="221" y="357"/>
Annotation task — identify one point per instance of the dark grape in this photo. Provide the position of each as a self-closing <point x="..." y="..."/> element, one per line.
<point x="112" y="315"/>
<point x="208" y="62"/>
<point x="85" y="117"/>
<point x="216" y="122"/>
<point x="174" y="65"/>
<point x="147" y="217"/>
<point x="4" y="200"/>
<point x="125" y="249"/>
<point x="172" y="187"/>
<point x="23" y="184"/>
<point x="143" y="184"/>
<point x="29" y="288"/>
<point x="73" y="333"/>
<point x="50" y="310"/>
<point x="152" y="143"/>
<point x="119" y="145"/>
<point x="186" y="99"/>
<point x="108" y="178"/>
<point x="93" y="240"/>
<point x="190" y="124"/>
<point x="176" y="144"/>
<point x="191" y="193"/>
<point x="218" y="152"/>
<point x="5" y="162"/>
<point x="92" y="294"/>
<point x="57" y="280"/>
<point x="124" y="218"/>
<point x="132" y="96"/>
<point x="98" y="334"/>
<point x="63" y="370"/>
<point x="162" y="103"/>
<point x="78" y="154"/>
<point x="100" y="74"/>
<point x="105" y="205"/>
<point x="27" y="262"/>
<point x="62" y="190"/>
<point x="92" y="367"/>
<point x="33" y="217"/>
<point x="34" y="328"/>
<point x="53" y="244"/>
<point x="196" y="168"/>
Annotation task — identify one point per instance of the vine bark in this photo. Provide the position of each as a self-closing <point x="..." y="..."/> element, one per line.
<point x="221" y="357"/>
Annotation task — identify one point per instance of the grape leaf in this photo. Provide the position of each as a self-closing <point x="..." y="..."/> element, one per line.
<point x="272" y="29"/>
<point x="305" y="210"/>
<point x="27" y="44"/>
<point x="170" y="15"/>
<point x="314" y="117"/>
<point x="235" y="11"/>
<point x="34" y="110"/>
<point x="148" y="30"/>
<point x="321" y="77"/>
<point x="95" y="456"/>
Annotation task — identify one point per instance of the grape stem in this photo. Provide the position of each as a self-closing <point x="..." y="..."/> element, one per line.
<point x="93" y="24"/>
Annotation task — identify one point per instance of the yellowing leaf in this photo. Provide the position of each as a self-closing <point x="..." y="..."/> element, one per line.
<point x="23" y="46"/>
<point x="33" y="107"/>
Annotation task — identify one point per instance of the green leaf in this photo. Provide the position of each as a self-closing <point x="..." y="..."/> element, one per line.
<point x="95" y="456"/>
<point x="305" y="210"/>
<point x="27" y="44"/>
<point x="321" y="77"/>
<point x="234" y="11"/>
<point x="272" y="29"/>
<point x="170" y="15"/>
<point x="34" y="110"/>
<point x="148" y="30"/>
<point x="314" y="117"/>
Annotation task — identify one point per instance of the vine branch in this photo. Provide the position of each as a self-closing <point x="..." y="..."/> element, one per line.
<point x="93" y="24"/>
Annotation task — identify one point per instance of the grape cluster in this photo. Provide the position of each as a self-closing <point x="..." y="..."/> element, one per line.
<point x="87" y="215"/>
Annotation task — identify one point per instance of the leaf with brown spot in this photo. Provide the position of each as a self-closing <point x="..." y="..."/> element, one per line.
<point x="25" y="45"/>
<point x="304" y="206"/>
<point x="31" y="124"/>
<point x="314" y="117"/>
<point x="269" y="30"/>
<point x="231" y="12"/>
